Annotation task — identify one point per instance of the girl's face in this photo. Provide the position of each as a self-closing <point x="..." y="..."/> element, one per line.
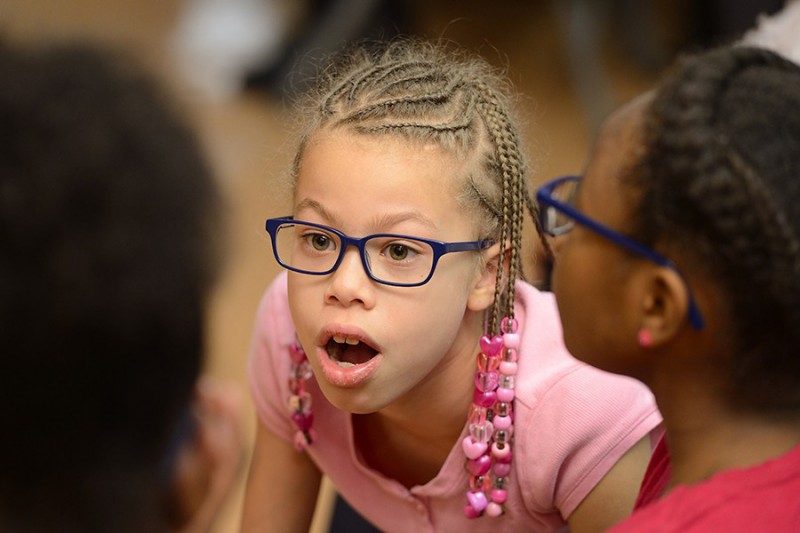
<point x="371" y="344"/>
<point x="593" y="276"/>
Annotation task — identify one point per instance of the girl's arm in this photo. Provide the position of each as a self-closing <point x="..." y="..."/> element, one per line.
<point x="612" y="499"/>
<point x="282" y="487"/>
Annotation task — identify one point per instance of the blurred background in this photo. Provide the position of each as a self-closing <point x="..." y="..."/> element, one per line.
<point x="234" y="65"/>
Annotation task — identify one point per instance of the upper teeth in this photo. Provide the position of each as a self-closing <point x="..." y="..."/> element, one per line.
<point x="345" y="340"/>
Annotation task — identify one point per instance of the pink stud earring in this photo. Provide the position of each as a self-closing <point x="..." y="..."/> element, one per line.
<point x="644" y="337"/>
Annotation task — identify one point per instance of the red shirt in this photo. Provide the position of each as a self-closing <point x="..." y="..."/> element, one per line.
<point x="656" y="477"/>
<point x="765" y="497"/>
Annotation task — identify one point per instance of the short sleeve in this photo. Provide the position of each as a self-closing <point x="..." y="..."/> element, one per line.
<point x="268" y="360"/>
<point x="578" y="428"/>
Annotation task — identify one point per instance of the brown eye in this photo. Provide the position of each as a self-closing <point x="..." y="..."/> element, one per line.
<point x="398" y="252"/>
<point x="320" y="242"/>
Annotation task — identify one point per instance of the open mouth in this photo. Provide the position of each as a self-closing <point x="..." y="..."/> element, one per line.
<point x="349" y="351"/>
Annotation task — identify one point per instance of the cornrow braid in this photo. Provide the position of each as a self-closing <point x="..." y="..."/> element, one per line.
<point x="722" y="166"/>
<point x="427" y="92"/>
<point x="506" y="142"/>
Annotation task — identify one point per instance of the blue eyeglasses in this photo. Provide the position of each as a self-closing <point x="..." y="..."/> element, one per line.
<point x="390" y="259"/>
<point x="557" y="216"/>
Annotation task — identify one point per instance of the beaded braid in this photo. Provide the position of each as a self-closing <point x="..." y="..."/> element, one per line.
<point x="424" y="92"/>
<point x="721" y="164"/>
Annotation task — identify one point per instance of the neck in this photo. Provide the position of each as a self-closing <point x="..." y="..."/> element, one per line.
<point x="423" y="426"/>
<point x="707" y="436"/>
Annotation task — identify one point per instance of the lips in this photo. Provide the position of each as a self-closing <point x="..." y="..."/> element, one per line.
<point x="347" y="356"/>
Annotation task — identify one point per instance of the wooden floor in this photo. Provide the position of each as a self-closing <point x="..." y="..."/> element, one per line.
<point x="248" y="144"/>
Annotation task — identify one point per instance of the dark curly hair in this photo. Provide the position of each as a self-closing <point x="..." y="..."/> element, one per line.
<point x="720" y="183"/>
<point x="109" y="219"/>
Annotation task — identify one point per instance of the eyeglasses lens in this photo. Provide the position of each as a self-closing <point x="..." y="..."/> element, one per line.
<point x="313" y="250"/>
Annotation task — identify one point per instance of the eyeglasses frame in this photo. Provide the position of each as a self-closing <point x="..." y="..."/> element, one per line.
<point x="439" y="248"/>
<point x="544" y="195"/>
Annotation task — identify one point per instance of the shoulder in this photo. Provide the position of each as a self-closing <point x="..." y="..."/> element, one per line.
<point x="268" y="359"/>
<point x="273" y="322"/>
<point x="572" y="421"/>
<point x="761" y="498"/>
<point x="548" y="370"/>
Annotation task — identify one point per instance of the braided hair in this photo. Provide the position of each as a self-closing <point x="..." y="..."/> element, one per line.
<point x="720" y="183"/>
<point x="426" y="92"/>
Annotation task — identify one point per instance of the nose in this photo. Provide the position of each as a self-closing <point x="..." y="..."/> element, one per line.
<point x="349" y="283"/>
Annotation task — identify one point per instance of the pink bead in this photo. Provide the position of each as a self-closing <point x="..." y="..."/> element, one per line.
<point x="505" y="395"/>
<point x="499" y="495"/>
<point x="507" y="458"/>
<point x="486" y="381"/>
<point x="491" y="346"/>
<point x="511" y="340"/>
<point x="303" y="421"/>
<point x="296" y="353"/>
<point x="303" y="440"/>
<point x="502" y="422"/>
<point x="484" y="399"/>
<point x="301" y="371"/>
<point x="501" y="469"/>
<point x="470" y="512"/>
<point x="500" y="453"/>
<point x="494" y="510"/>
<point x="508" y="368"/>
<point x="479" y="466"/>
<point x="300" y="442"/>
<point x="477" y="500"/>
<point x="473" y="448"/>
<point x="300" y="402"/>
<point x="508" y="325"/>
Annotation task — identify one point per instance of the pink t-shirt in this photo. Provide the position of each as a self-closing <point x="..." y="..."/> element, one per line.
<point x="572" y="423"/>
<point x="761" y="498"/>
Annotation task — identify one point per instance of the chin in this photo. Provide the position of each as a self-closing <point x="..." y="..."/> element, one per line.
<point x="357" y="402"/>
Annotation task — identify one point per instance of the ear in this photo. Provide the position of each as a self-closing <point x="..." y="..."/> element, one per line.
<point x="482" y="293"/>
<point x="664" y="304"/>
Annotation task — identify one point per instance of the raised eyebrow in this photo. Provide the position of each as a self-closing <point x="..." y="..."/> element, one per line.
<point x="384" y="220"/>
<point x="388" y="220"/>
<point x="313" y="205"/>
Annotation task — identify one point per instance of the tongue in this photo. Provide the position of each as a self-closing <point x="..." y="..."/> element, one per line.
<point x="356" y="355"/>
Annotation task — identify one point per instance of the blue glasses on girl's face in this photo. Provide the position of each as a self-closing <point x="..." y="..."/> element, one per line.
<point x="557" y="216"/>
<point x="397" y="260"/>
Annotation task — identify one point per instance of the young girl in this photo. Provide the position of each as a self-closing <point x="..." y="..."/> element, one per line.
<point x="401" y="355"/>
<point x="683" y="269"/>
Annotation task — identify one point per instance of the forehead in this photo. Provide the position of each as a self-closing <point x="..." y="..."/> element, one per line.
<point x="341" y="153"/>
<point x="619" y="146"/>
<point x="357" y="178"/>
<point x="620" y="142"/>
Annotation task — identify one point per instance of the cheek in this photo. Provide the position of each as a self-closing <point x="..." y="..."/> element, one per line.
<point x="433" y="313"/>
<point x="578" y="285"/>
